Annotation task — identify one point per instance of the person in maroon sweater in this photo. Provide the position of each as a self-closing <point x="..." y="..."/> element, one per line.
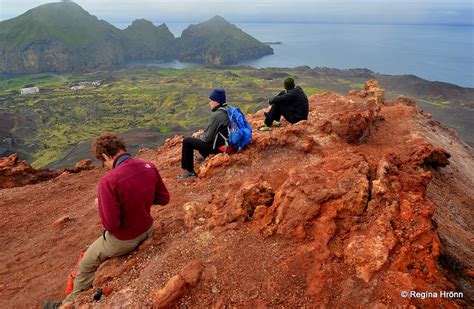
<point x="125" y="196"/>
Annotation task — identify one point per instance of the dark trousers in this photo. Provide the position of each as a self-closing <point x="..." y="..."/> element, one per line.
<point x="187" y="155"/>
<point x="278" y="110"/>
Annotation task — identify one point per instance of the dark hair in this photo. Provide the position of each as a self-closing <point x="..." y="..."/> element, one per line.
<point x="289" y="83"/>
<point x="109" y="144"/>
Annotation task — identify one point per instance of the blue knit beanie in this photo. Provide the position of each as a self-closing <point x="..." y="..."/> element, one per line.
<point x="218" y="95"/>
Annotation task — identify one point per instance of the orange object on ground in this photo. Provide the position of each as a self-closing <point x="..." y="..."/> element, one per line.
<point x="72" y="275"/>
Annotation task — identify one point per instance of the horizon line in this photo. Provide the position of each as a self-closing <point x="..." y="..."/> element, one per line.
<point x="284" y="22"/>
<point x="298" y="22"/>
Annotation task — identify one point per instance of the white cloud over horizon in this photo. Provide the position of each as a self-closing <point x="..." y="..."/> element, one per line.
<point x="458" y="12"/>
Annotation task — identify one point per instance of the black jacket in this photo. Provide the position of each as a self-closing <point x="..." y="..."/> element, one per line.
<point x="296" y="100"/>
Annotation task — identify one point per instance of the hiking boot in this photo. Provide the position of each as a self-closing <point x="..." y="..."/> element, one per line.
<point x="98" y="294"/>
<point x="276" y="123"/>
<point x="200" y="159"/>
<point x="264" y="128"/>
<point x="187" y="175"/>
<point x="52" y="304"/>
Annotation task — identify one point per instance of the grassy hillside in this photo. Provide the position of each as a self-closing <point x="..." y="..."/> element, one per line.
<point x="63" y="37"/>
<point x="171" y="100"/>
<point x="52" y="122"/>
<point x="142" y="40"/>
<point x="217" y="41"/>
<point x="65" y="22"/>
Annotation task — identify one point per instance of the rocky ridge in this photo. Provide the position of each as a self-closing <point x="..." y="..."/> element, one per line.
<point x="219" y="42"/>
<point x="63" y="37"/>
<point x="366" y="199"/>
<point x="17" y="173"/>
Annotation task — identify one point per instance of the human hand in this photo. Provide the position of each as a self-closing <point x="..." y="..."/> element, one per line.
<point x="197" y="133"/>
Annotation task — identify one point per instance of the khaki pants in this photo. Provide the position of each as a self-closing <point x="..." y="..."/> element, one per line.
<point x="104" y="247"/>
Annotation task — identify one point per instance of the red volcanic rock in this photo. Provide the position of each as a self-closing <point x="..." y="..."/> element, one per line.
<point x="368" y="252"/>
<point x="242" y="206"/>
<point x="84" y="165"/>
<point x="307" y="144"/>
<point x="287" y="136"/>
<point x="299" y="200"/>
<point x="8" y="161"/>
<point x="170" y="142"/>
<point x="61" y="221"/>
<point x="196" y="213"/>
<point x="436" y="157"/>
<point x="217" y="161"/>
<point x="358" y="128"/>
<point x="355" y="126"/>
<point x="371" y="84"/>
<point x="175" y="287"/>
<point x="16" y="173"/>
<point x="108" y="270"/>
<point x="173" y="290"/>
<point x="253" y="195"/>
<point x="342" y="213"/>
<point x="402" y="100"/>
<point x="326" y="127"/>
<point x="192" y="273"/>
<point x="371" y="91"/>
<point x="347" y="209"/>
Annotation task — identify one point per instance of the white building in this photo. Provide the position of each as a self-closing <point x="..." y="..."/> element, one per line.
<point x="74" y="88"/>
<point x="90" y="83"/>
<point x="31" y="90"/>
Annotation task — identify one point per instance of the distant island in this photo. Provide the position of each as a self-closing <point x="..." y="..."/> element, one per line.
<point x="63" y="37"/>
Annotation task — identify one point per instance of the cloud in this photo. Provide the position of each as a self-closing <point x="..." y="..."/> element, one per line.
<point x="333" y="11"/>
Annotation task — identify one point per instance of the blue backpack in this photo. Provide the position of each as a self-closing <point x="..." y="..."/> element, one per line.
<point x="240" y="131"/>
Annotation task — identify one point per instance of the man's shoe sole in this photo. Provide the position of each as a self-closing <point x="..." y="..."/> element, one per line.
<point x="264" y="129"/>
<point x="186" y="176"/>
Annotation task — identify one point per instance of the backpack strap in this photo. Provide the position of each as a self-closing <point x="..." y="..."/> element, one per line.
<point x="226" y="139"/>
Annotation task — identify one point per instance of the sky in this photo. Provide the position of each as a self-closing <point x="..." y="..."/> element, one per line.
<point x="453" y="12"/>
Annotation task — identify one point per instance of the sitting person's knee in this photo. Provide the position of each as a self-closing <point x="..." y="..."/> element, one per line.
<point x="187" y="140"/>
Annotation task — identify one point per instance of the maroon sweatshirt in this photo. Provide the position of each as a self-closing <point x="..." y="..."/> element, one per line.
<point x="126" y="194"/>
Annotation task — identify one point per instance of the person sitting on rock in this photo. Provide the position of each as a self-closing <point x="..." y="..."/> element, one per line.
<point x="208" y="141"/>
<point x="290" y="103"/>
<point x="125" y="196"/>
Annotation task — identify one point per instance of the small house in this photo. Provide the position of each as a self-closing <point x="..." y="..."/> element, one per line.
<point x="31" y="90"/>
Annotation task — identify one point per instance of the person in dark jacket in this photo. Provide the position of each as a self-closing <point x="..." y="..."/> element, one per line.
<point x="208" y="141"/>
<point x="290" y="103"/>
<point x="125" y="196"/>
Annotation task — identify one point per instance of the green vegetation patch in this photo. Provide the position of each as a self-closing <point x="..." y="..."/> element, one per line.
<point x="38" y="80"/>
<point x="166" y="99"/>
<point x="357" y="86"/>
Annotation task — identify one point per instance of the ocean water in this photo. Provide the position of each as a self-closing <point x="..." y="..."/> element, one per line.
<point x="432" y="52"/>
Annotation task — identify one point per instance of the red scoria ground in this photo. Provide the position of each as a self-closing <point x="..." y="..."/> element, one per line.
<point x="366" y="199"/>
